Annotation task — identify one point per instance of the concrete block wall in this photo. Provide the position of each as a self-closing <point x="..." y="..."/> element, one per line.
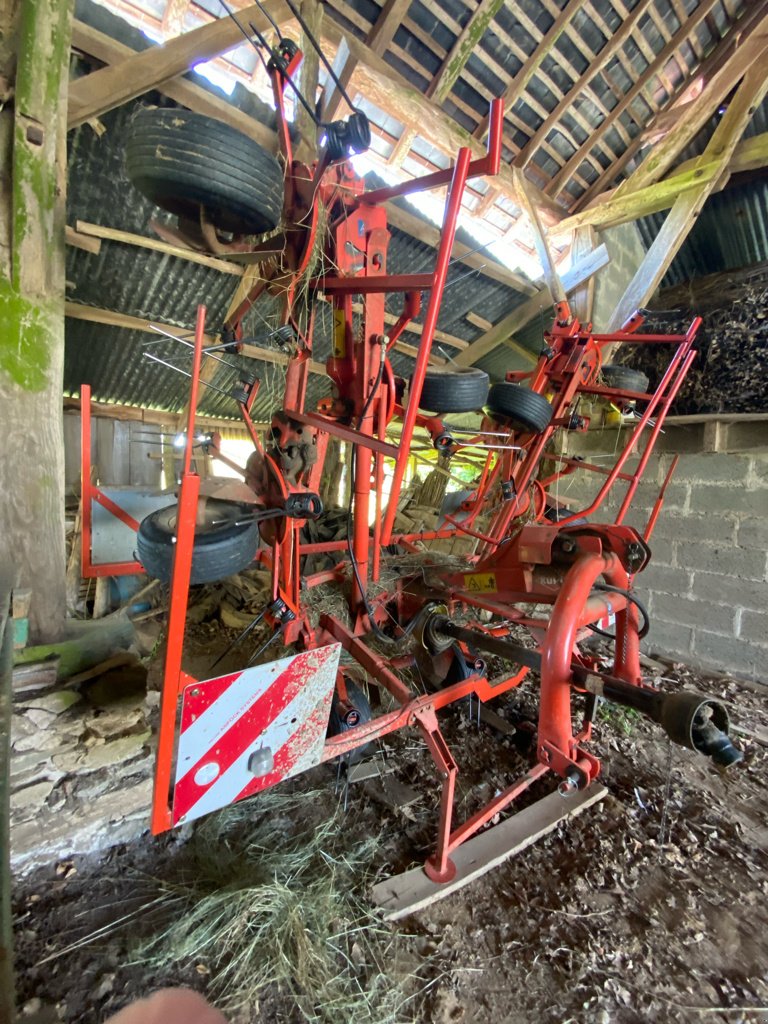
<point x="707" y="584"/>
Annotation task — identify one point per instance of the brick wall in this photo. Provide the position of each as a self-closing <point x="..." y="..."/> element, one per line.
<point x="706" y="585"/>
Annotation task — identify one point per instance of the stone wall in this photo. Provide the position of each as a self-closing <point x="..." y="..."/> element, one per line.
<point x="706" y="586"/>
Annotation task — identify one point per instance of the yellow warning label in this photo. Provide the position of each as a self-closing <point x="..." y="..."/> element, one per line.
<point x="480" y="582"/>
<point x="339" y="334"/>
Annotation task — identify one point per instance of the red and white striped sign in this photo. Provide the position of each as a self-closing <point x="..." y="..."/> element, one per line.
<point x="244" y="732"/>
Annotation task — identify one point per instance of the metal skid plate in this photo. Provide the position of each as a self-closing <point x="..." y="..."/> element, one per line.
<point x="244" y="732"/>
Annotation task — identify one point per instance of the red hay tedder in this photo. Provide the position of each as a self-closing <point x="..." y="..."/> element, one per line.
<point x="537" y="570"/>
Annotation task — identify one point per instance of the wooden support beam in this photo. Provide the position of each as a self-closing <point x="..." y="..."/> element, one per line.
<point x="77" y="311"/>
<point x="402" y="147"/>
<point x="501" y="333"/>
<point x="462" y="49"/>
<point x="109" y="51"/>
<point x="114" y="85"/>
<point x="520" y="82"/>
<point x="543" y="250"/>
<point x="619" y="207"/>
<point x="687" y="207"/>
<point x="97" y="231"/>
<point x="562" y="177"/>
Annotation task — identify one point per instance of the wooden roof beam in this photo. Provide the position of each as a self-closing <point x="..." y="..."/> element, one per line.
<point x="465" y="44"/>
<point x="687" y="207"/>
<point x="109" y="51"/>
<point x="116" y="84"/>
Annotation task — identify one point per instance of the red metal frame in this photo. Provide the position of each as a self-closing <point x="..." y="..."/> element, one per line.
<point x="500" y="575"/>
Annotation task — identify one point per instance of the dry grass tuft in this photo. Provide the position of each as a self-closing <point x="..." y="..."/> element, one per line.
<point x="272" y="907"/>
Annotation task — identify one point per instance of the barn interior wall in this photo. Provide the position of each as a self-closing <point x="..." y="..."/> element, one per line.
<point x="124" y="453"/>
<point x="707" y="585"/>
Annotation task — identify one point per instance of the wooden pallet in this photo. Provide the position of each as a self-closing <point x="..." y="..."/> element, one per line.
<point x="404" y="894"/>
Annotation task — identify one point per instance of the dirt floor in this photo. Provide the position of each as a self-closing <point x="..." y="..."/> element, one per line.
<point x="650" y="906"/>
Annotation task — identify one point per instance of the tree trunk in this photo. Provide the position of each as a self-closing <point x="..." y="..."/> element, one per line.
<point x="32" y="217"/>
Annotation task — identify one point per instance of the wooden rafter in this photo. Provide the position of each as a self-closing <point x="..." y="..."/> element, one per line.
<point x="462" y="49"/>
<point x="109" y="51"/>
<point x="706" y="71"/>
<point x="752" y="48"/>
<point x="551" y="277"/>
<point x="687" y="207"/>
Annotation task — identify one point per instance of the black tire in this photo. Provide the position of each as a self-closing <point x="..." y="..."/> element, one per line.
<point x="624" y="378"/>
<point x="336" y="726"/>
<point x="223" y="545"/>
<point x="525" y="409"/>
<point x="454" y="390"/>
<point x="181" y="161"/>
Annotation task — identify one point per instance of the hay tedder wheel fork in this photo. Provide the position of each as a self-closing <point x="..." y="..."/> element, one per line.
<point x="226" y="738"/>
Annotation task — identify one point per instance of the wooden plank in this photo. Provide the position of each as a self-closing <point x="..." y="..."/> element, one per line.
<point x="135" y="414"/>
<point x="80" y="241"/>
<point x="111" y="86"/>
<point x="109" y="51"/>
<point x="551" y="277"/>
<point x="478" y="321"/>
<point x="520" y="82"/>
<point x="466" y="42"/>
<point x="571" y="165"/>
<point x="97" y="231"/>
<point x="687" y="207"/>
<point x="405" y="894"/>
<point x="501" y="333"/>
<point x="583" y="298"/>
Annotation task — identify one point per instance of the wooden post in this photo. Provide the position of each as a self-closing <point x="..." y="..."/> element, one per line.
<point x="32" y="189"/>
<point x="7" y="987"/>
<point x="306" y="150"/>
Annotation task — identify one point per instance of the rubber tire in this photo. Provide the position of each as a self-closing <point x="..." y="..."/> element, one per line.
<point x="462" y="390"/>
<point x="524" y="408"/>
<point x="181" y="161"/>
<point x="219" y="551"/>
<point x="336" y="727"/>
<point x="624" y="378"/>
